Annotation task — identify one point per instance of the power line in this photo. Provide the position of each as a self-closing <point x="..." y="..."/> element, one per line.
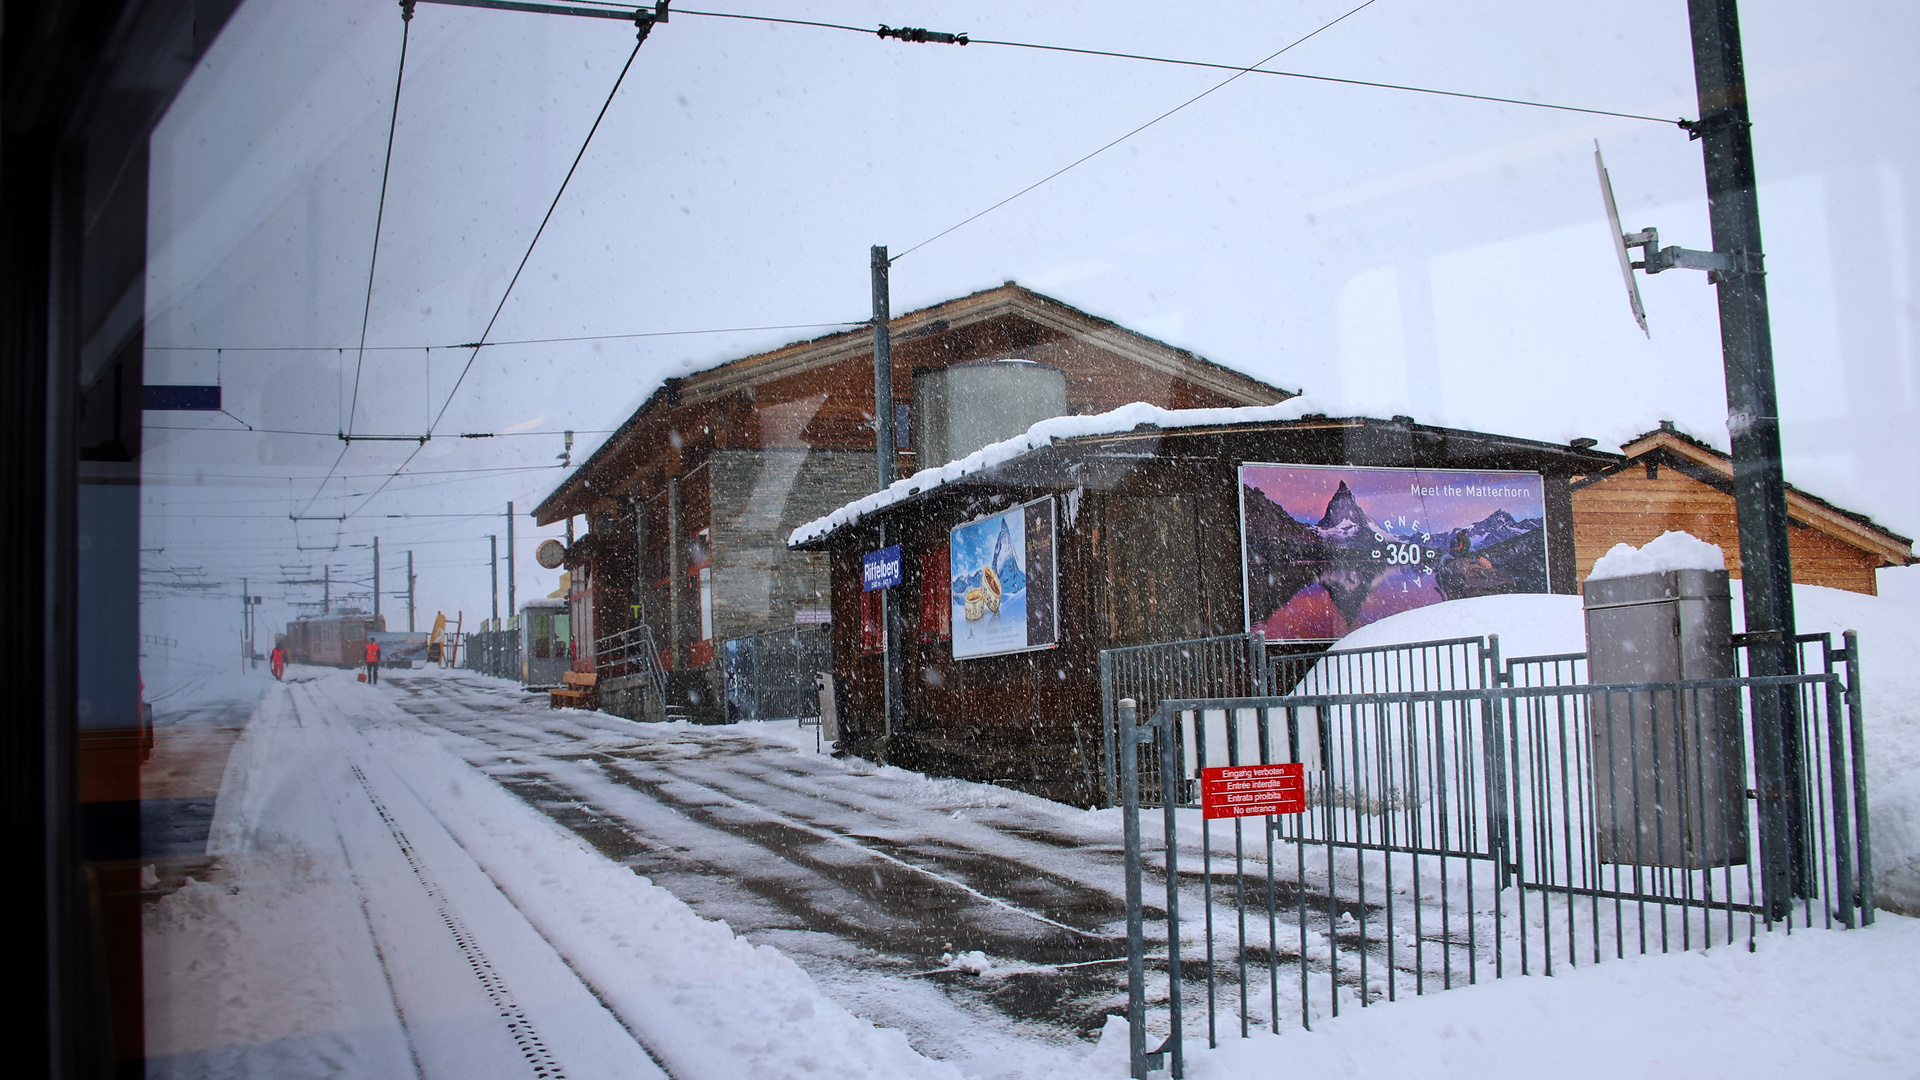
<point x="645" y="27"/>
<point x="379" y="214"/>
<point x="344" y="476"/>
<point x="497" y="344"/>
<point x="249" y="430"/>
<point x="1258" y="70"/>
<point x="1237" y="73"/>
<point x="373" y="259"/>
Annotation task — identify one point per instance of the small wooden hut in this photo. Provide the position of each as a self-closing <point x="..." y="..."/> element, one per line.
<point x="1670" y="480"/>
<point x="1120" y="532"/>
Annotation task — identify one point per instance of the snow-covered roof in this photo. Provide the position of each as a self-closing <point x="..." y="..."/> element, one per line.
<point x="1043" y="434"/>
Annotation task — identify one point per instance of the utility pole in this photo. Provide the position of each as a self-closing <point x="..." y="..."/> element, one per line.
<point x="512" y="608"/>
<point x="1753" y="426"/>
<point x="326" y="589"/>
<point x="376" y="577"/>
<point x="246" y="625"/>
<point x="885" y="449"/>
<point x="493" y="556"/>
<point x="409" y="592"/>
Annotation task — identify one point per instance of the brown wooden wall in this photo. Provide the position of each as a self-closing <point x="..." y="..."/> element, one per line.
<point x="1632" y="508"/>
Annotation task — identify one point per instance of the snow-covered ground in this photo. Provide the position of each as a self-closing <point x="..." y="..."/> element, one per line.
<point x="380" y="908"/>
<point x="1818" y="1003"/>
<point x="439" y="876"/>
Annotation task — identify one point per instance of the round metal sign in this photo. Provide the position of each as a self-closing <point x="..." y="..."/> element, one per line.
<point x="550" y="553"/>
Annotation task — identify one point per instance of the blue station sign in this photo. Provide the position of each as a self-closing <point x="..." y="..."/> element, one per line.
<point x="880" y="569"/>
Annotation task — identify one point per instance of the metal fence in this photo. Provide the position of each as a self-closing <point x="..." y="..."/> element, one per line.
<point x="1468" y="832"/>
<point x="1233" y="665"/>
<point x="1238" y="665"/>
<point x="494" y="652"/>
<point x="770" y="676"/>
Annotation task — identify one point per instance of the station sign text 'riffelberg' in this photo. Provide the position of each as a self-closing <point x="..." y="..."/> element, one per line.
<point x="1234" y="791"/>
<point x="880" y="569"/>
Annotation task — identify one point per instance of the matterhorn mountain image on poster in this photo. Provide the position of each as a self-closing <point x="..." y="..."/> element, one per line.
<point x="1006" y="562"/>
<point x="1384" y="541"/>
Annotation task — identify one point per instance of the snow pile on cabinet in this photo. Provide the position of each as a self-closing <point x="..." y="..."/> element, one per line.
<point x="1670" y="550"/>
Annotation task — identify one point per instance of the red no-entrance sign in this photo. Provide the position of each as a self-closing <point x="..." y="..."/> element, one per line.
<point x="1234" y="791"/>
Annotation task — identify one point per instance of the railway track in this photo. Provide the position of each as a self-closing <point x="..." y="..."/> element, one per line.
<point x="868" y="888"/>
<point x="479" y="989"/>
<point x="872" y="879"/>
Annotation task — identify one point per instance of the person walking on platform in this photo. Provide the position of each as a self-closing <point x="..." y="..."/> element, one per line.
<point x="373" y="661"/>
<point x="279" y="662"/>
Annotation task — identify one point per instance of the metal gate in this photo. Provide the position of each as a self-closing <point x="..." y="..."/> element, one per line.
<point x="770" y="676"/>
<point x="1237" y="665"/>
<point x="1464" y="833"/>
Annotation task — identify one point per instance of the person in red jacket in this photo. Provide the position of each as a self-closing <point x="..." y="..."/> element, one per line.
<point x="373" y="661"/>
<point x="279" y="662"/>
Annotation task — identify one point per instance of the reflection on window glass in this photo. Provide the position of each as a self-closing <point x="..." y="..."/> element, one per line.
<point x="1326" y="381"/>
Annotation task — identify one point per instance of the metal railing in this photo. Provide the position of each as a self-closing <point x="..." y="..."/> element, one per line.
<point x="1464" y="833"/>
<point x="630" y="652"/>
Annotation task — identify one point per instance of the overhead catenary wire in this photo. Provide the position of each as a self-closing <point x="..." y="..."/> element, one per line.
<point x="1259" y="70"/>
<point x="380" y="210"/>
<point x="480" y="342"/>
<point x="1238" y="73"/>
<point x="373" y="258"/>
<point x="644" y="28"/>
<point x="498" y="344"/>
<point x="250" y="430"/>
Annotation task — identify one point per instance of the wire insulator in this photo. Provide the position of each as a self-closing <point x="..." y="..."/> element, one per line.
<point x="920" y="34"/>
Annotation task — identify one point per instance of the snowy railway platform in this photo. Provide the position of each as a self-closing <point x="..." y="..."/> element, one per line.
<point x="442" y="877"/>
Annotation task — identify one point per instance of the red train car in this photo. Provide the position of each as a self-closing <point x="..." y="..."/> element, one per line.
<point x="337" y="640"/>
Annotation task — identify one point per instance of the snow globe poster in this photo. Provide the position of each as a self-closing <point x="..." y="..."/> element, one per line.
<point x="1004" y="595"/>
<point x="1329" y="549"/>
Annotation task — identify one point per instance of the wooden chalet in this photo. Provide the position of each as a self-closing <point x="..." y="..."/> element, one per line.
<point x="690" y="503"/>
<point x="1670" y="480"/>
<point x="1146" y="547"/>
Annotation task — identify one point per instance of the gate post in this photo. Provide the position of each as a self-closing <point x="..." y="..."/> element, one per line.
<point x="1129" y="734"/>
<point x="1128" y="741"/>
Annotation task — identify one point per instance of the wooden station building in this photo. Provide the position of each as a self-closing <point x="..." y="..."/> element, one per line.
<point x="1670" y="480"/>
<point x="690" y="502"/>
<point x="1140" y="525"/>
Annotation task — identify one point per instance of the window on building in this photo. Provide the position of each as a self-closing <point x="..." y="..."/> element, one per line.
<point x="936" y="596"/>
<point x="700" y="571"/>
<point x="706" y="603"/>
<point x="873" y="634"/>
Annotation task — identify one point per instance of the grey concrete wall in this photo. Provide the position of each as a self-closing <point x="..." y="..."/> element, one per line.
<point x="759" y="498"/>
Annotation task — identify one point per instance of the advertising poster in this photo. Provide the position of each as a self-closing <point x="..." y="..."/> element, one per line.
<point x="397" y="646"/>
<point x="1004" y="596"/>
<point x="1328" y="549"/>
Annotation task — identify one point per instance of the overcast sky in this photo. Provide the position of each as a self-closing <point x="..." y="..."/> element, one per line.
<point x="1386" y="252"/>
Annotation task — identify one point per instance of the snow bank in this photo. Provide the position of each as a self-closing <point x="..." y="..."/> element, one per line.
<point x="1044" y="433"/>
<point x="1889" y="629"/>
<point x="1671" y="550"/>
<point x="1825" y="1003"/>
<point x="1529" y="624"/>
